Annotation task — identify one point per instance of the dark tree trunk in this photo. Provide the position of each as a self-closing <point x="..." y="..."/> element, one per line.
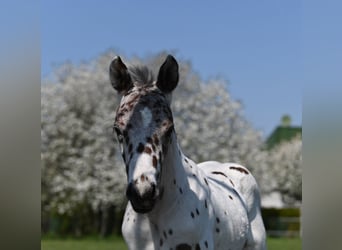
<point x="107" y="220"/>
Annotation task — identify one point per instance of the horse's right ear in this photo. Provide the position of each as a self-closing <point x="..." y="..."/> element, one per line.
<point x="119" y="76"/>
<point x="168" y="75"/>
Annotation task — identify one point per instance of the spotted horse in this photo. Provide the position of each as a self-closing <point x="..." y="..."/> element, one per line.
<point x="174" y="203"/>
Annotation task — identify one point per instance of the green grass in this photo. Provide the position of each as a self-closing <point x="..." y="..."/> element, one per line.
<point x="93" y="243"/>
<point x="116" y="243"/>
<point x="284" y="243"/>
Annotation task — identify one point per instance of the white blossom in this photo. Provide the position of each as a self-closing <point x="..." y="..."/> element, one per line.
<point x="81" y="164"/>
<point x="282" y="171"/>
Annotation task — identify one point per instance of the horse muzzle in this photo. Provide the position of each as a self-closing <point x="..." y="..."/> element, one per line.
<point x="141" y="203"/>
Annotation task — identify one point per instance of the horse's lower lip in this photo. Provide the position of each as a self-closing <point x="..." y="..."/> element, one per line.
<point x="142" y="210"/>
<point x="144" y="207"/>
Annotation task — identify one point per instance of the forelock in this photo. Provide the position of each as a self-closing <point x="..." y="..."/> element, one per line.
<point x="141" y="75"/>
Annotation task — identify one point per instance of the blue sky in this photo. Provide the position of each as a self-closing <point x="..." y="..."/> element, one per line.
<point x="255" y="45"/>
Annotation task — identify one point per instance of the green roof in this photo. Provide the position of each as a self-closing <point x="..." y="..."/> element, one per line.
<point x="282" y="133"/>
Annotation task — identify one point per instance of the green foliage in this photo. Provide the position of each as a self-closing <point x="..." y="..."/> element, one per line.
<point x="283" y="212"/>
<point x="286" y="220"/>
<point x="82" y="172"/>
<point x="281" y="134"/>
<point x="85" y="222"/>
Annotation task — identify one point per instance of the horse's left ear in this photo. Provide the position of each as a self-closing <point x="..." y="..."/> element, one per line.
<point x="168" y="75"/>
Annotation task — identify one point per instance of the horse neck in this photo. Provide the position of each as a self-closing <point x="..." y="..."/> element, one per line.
<point x="173" y="179"/>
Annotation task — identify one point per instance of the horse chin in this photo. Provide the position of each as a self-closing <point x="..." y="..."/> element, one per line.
<point x="143" y="207"/>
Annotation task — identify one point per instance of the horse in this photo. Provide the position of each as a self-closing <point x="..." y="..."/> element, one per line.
<point x="174" y="203"/>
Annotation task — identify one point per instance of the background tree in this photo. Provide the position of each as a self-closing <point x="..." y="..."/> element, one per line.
<point x="283" y="171"/>
<point x="81" y="169"/>
<point x="83" y="177"/>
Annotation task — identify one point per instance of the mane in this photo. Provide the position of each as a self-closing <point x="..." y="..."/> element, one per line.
<point x="141" y="75"/>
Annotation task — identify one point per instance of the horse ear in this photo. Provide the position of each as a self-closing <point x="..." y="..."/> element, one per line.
<point x="168" y="75"/>
<point x="119" y="76"/>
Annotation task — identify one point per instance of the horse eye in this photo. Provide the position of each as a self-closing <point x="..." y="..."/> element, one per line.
<point x="120" y="137"/>
<point x="118" y="133"/>
<point x="169" y="131"/>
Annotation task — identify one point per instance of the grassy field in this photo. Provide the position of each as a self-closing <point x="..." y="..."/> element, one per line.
<point x="117" y="243"/>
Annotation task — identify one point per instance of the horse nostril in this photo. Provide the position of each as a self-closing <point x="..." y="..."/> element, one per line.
<point x="133" y="194"/>
<point x="151" y="192"/>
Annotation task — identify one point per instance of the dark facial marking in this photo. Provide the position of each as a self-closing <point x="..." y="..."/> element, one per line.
<point x="192" y="215"/>
<point x="129" y="126"/>
<point x="217" y="172"/>
<point x="217" y="230"/>
<point x="140" y="148"/>
<point x="154" y="161"/>
<point x="231" y="182"/>
<point x="197" y="212"/>
<point x="217" y="220"/>
<point x="127" y="169"/>
<point x="125" y="134"/>
<point x="206" y="182"/>
<point x="130" y="148"/>
<point x="143" y="102"/>
<point x="149" y="140"/>
<point x="205" y="204"/>
<point x="206" y="244"/>
<point x="170" y="232"/>
<point x="156" y="140"/>
<point x="230" y="197"/>
<point x="165" y="235"/>
<point x="180" y="190"/>
<point x="242" y="170"/>
<point x="119" y="115"/>
<point x="148" y="150"/>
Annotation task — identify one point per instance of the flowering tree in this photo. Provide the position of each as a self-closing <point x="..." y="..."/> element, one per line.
<point x="283" y="171"/>
<point x="81" y="165"/>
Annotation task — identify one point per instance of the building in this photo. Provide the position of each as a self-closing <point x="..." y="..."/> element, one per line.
<point x="284" y="132"/>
